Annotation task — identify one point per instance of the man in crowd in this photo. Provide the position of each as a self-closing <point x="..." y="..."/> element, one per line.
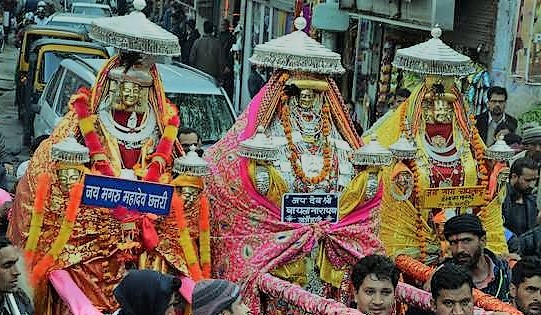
<point x="452" y="291"/>
<point x="217" y="297"/>
<point x="188" y="137"/>
<point x="227" y="39"/>
<point x="488" y="121"/>
<point x="42" y="16"/>
<point x="206" y="54"/>
<point x="400" y="96"/>
<point x="144" y="292"/>
<point x="188" y="39"/>
<point x="519" y="208"/>
<point x="467" y="240"/>
<point x="10" y="270"/>
<point x="527" y="244"/>
<point x="375" y="278"/>
<point x="531" y="140"/>
<point x="526" y="285"/>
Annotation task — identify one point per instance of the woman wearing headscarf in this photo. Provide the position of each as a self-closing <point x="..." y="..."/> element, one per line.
<point x="147" y="292"/>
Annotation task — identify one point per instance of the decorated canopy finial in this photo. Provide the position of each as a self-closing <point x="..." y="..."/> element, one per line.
<point x="191" y="164"/>
<point x="135" y="33"/>
<point x="300" y="23"/>
<point x="139" y="5"/>
<point x="436" y="32"/>
<point x="297" y="52"/>
<point x="434" y="57"/>
<point x="500" y="151"/>
<point x="70" y="151"/>
<point x="259" y="147"/>
<point x="372" y="154"/>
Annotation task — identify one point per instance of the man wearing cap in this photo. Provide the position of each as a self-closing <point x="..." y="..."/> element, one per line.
<point x="531" y="139"/>
<point x="215" y="297"/>
<point x="467" y="240"/>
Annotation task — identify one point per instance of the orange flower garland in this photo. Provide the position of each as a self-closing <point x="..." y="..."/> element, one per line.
<point x="47" y="262"/>
<point x="36" y="223"/>
<point x="204" y="236"/>
<point x="421" y="272"/>
<point x="294" y="157"/>
<point x="185" y="240"/>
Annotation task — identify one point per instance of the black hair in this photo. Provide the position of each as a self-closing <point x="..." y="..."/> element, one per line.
<point x="449" y="276"/>
<point x="381" y="266"/>
<point x="511" y="138"/>
<point x="208" y="27"/>
<point x="191" y="23"/>
<point x="520" y="164"/>
<point x="188" y="130"/>
<point x="403" y="93"/>
<point x="35" y="144"/>
<point x="526" y="267"/>
<point x="5" y="242"/>
<point x="501" y="127"/>
<point x="496" y="90"/>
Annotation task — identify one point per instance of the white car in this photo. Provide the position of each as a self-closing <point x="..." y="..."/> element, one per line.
<point x="202" y="103"/>
<point x="91" y="9"/>
<point x="71" y="20"/>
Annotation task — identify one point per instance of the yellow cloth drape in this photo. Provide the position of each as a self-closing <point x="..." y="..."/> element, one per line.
<point x="350" y="197"/>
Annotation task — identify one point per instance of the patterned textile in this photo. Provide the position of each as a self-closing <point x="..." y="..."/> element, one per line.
<point x="248" y="237"/>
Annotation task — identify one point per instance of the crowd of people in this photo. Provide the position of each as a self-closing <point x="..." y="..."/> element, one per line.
<point x="210" y="51"/>
<point x="513" y="278"/>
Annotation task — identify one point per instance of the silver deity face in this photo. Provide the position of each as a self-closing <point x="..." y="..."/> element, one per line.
<point x="306" y="99"/>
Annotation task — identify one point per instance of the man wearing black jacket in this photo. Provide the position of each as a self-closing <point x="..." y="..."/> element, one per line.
<point x="488" y="121"/>
<point x="467" y="240"/>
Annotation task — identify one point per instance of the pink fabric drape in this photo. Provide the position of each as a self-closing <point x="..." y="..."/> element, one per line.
<point x="248" y="238"/>
<point x="71" y="294"/>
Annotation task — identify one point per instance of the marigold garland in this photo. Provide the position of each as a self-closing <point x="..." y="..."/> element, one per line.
<point x="36" y="223"/>
<point x="421" y="272"/>
<point x="204" y="236"/>
<point x="295" y="156"/>
<point x="185" y="240"/>
<point x="48" y="261"/>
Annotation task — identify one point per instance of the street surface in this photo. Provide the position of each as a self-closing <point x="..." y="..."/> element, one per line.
<point x="10" y="127"/>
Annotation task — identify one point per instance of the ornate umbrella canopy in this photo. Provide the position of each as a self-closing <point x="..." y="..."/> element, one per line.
<point x="297" y="52"/>
<point x="434" y="57"/>
<point x="70" y="151"/>
<point x="500" y="151"/>
<point x="372" y="154"/>
<point x="403" y="149"/>
<point x="191" y="164"/>
<point x="259" y="147"/>
<point x="135" y="33"/>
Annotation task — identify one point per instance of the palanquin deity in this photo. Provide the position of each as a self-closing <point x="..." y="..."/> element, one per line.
<point x="437" y="146"/>
<point x="122" y="127"/>
<point x="295" y="137"/>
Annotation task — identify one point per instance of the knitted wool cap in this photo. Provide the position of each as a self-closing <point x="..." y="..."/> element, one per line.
<point x="211" y="297"/>
<point x="532" y="135"/>
<point x="465" y="223"/>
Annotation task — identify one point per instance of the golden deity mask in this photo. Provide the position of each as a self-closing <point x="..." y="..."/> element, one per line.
<point x="130" y="88"/>
<point x="438" y="105"/>
<point x="130" y="93"/>
<point x="403" y="182"/>
<point x="189" y="187"/>
<point x="70" y="157"/>
<point x="190" y="195"/>
<point x="67" y="177"/>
